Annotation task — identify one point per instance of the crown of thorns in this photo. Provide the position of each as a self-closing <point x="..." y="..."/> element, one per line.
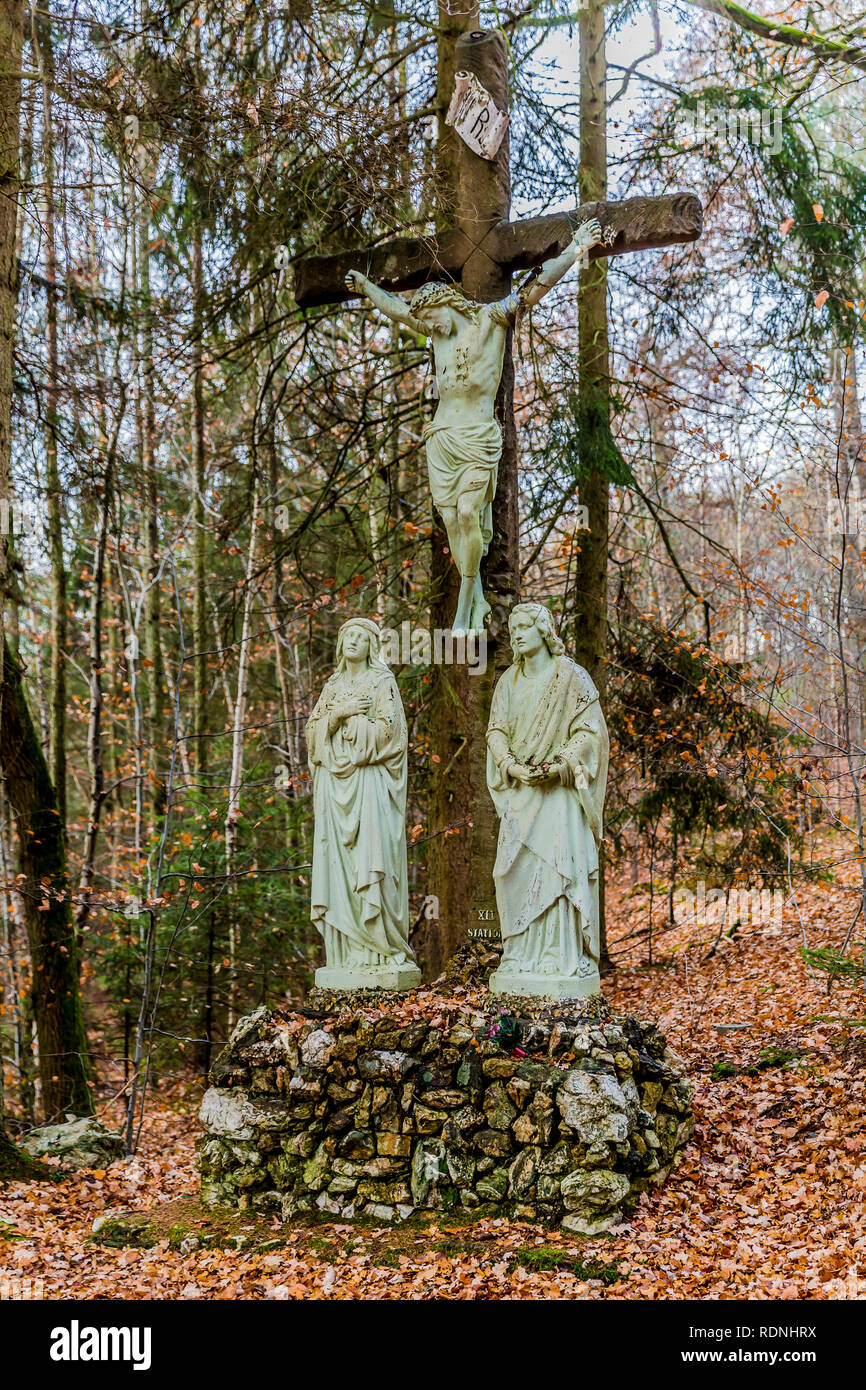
<point x="435" y="293"/>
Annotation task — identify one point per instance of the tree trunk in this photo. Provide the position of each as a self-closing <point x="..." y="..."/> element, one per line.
<point x="63" y="1061"/>
<point x="150" y="521"/>
<point x="94" y="722"/>
<point x="589" y="617"/>
<point x="43" y="47"/>
<point x="237" y="771"/>
<point x="15" y="925"/>
<point x="11" y="44"/>
<point x="474" y="194"/>
<point x="200" y="618"/>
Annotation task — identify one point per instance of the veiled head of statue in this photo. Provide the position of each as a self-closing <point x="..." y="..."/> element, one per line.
<point x="542" y="619"/>
<point x="359" y="639"/>
<point x="428" y="304"/>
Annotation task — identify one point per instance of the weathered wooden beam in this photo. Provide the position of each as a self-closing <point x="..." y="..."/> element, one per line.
<point x="404" y="263"/>
<point x="639" y="224"/>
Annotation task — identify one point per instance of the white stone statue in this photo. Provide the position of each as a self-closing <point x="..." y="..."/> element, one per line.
<point x="357" y="746"/>
<point x="464" y="441"/>
<point x="547" y="773"/>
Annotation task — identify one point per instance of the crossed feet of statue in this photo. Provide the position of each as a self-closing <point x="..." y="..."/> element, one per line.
<point x="472" y="609"/>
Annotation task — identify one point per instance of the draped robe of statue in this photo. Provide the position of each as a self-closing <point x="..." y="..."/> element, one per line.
<point x="360" y="901"/>
<point x="546" y="870"/>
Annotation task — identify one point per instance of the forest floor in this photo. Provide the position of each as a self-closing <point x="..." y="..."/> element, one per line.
<point x="768" y="1201"/>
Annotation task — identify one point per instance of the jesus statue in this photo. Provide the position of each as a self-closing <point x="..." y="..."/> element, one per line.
<point x="547" y="773"/>
<point x="464" y="441"/>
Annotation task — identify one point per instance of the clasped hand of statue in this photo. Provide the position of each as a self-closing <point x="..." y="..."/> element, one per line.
<point x="344" y="709"/>
<point x="532" y="775"/>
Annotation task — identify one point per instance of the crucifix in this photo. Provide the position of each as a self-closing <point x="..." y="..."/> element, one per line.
<point x="464" y="438"/>
<point x="478" y="248"/>
<point x="456" y="273"/>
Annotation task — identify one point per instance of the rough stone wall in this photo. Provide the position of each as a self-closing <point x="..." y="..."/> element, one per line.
<point x="381" y="1114"/>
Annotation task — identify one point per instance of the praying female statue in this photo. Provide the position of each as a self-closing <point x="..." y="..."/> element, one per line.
<point x="357" y="745"/>
<point x="547" y="773"/>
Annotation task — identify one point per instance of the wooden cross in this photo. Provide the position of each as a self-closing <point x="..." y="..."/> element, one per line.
<point x="404" y="263"/>
<point x="477" y="245"/>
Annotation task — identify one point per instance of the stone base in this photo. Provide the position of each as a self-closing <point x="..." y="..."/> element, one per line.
<point x="382" y="1107"/>
<point x="390" y="977"/>
<point x="505" y="981"/>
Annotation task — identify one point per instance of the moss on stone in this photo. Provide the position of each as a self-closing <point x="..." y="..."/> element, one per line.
<point x="548" y="1257"/>
<point x="126" y="1233"/>
<point x="17" y="1166"/>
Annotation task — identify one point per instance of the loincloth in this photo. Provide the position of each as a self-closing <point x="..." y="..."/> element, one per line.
<point x="463" y="459"/>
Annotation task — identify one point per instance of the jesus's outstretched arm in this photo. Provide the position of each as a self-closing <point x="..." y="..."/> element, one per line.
<point x="588" y="234"/>
<point x="391" y="305"/>
<point x="507" y="311"/>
